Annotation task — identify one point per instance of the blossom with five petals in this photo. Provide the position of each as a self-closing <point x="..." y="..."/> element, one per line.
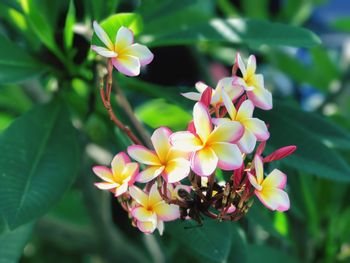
<point x="210" y="147"/>
<point x="151" y="210"/>
<point x="120" y="177"/>
<point x="127" y="56"/>
<point x="165" y="161"/>
<point x="254" y="83"/>
<point x="269" y="190"/>
<point x="231" y="85"/>
<point x="254" y="129"/>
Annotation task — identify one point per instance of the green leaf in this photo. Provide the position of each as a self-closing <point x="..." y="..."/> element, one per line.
<point x="313" y="137"/>
<point x="341" y="24"/>
<point x="14" y="99"/>
<point x="269" y="254"/>
<point x="13" y="242"/>
<point x="68" y="27"/>
<point x="38" y="163"/>
<point x="112" y="24"/>
<point x="102" y="8"/>
<point x="15" y="64"/>
<point x="156" y="113"/>
<point x="256" y="9"/>
<point x="212" y="240"/>
<point x="238" y="252"/>
<point x="238" y="31"/>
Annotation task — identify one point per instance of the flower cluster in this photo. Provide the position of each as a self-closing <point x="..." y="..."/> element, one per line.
<point x="179" y="175"/>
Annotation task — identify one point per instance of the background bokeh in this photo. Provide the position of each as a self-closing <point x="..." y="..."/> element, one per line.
<point x="45" y="57"/>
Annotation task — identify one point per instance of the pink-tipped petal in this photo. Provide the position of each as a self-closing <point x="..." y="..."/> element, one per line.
<point x="102" y="35"/>
<point x="227" y="132"/>
<point x="219" y="121"/>
<point x="202" y="121"/>
<point x="251" y="65"/>
<point x="121" y="189"/>
<point x="161" y="142"/>
<point x="257" y="127"/>
<point x="247" y="142"/>
<point x="230" y="87"/>
<point x="129" y="173"/>
<point x="104" y="173"/>
<point x="104" y="52"/>
<point x="146" y="227"/>
<point x="154" y="197"/>
<point x="254" y="182"/>
<point x="259" y="169"/>
<point x="138" y="195"/>
<point x="274" y="199"/>
<point x="245" y="111"/>
<point x="149" y="174"/>
<point x="276" y="179"/>
<point x="204" y="162"/>
<point x="141" y="52"/>
<point x="230" y="157"/>
<point x="124" y="38"/>
<point x="106" y="186"/>
<point x="143" y="155"/>
<point x="241" y="64"/>
<point x="128" y="65"/>
<point x="166" y="212"/>
<point x="192" y="95"/>
<point x="142" y="214"/>
<point x="261" y="98"/>
<point x="118" y="163"/>
<point x="185" y="141"/>
<point x="176" y="170"/>
<point x="231" y="110"/>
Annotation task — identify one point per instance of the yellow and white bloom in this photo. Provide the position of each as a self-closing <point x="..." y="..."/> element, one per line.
<point x="210" y="147"/>
<point x="151" y="211"/>
<point x="254" y="129"/>
<point x="127" y="56"/>
<point x="254" y="83"/>
<point x="165" y="161"/>
<point x="269" y="190"/>
<point x="120" y="177"/>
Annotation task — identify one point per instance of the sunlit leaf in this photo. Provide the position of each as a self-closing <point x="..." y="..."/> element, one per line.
<point x="68" y="27"/>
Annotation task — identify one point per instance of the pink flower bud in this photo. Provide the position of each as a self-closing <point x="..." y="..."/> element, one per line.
<point x="280" y="153"/>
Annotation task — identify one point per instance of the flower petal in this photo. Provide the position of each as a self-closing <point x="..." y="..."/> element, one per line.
<point x="251" y="65"/>
<point x="219" y="121"/>
<point x="118" y="163"/>
<point x="192" y="95"/>
<point x="160" y="227"/>
<point x="161" y="142"/>
<point x="259" y="169"/>
<point x="146" y="227"/>
<point x="166" y="212"/>
<point x="129" y="173"/>
<point x="201" y="86"/>
<point x="128" y="65"/>
<point x="274" y="199"/>
<point x="141" y="52"/>
<point x="142" y="214"/>
<point x="104" y="173"/>
<point x="261" y="98"/>
<point x="230" y="87"/>
<point x="230" y="157"/>
<point x="176" y="170"/>
<point x="143" y="155"/>
<point x="257" y="127"/>
<point x="121" y="189"/>
<point x="241" y="64"/>
<point x="102" y="35"/>
<point x="123" y="39"/>
<point x="104" y="51"/>
<point x="226" y="132"/>
<point x="276" y="179"/>
<point x="245" y="110"/>
<point x="204" y="162"/>
<point x="149" y="174"/>
<point x="254" y="182"/>
<point x="106" y="186"/>
<point x="202" y="122"/>
<point x="154" y="197"/>
<point x="231" y="110"/>
<point x="247" y="142"/>
<point x="138" y="195"/>
<point x="185" y="141"/>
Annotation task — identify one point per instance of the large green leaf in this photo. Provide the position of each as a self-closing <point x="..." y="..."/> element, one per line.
<point x="112" y="24"/>
<point x="38" y="162"/>
<point x="212" y="240"/>
<point x="238" y="31"/>
<point x="315" y="139"/>
<point x="269" y="254"/>
<point x="13" y="242"/>
<point x="15" y="64"/>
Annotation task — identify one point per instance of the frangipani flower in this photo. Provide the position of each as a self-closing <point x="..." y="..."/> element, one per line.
<point x="126" y="56"/>
<point x="254" y="83"/>
<point x="233" y="86"/>
<point x="119" y="177"/>
<point x="269" y="190"/>
<point x="254" y="129"/>
<point x="151" y="210"/>
<point x="210" y="147"/>
<point x="169" y="163"/>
